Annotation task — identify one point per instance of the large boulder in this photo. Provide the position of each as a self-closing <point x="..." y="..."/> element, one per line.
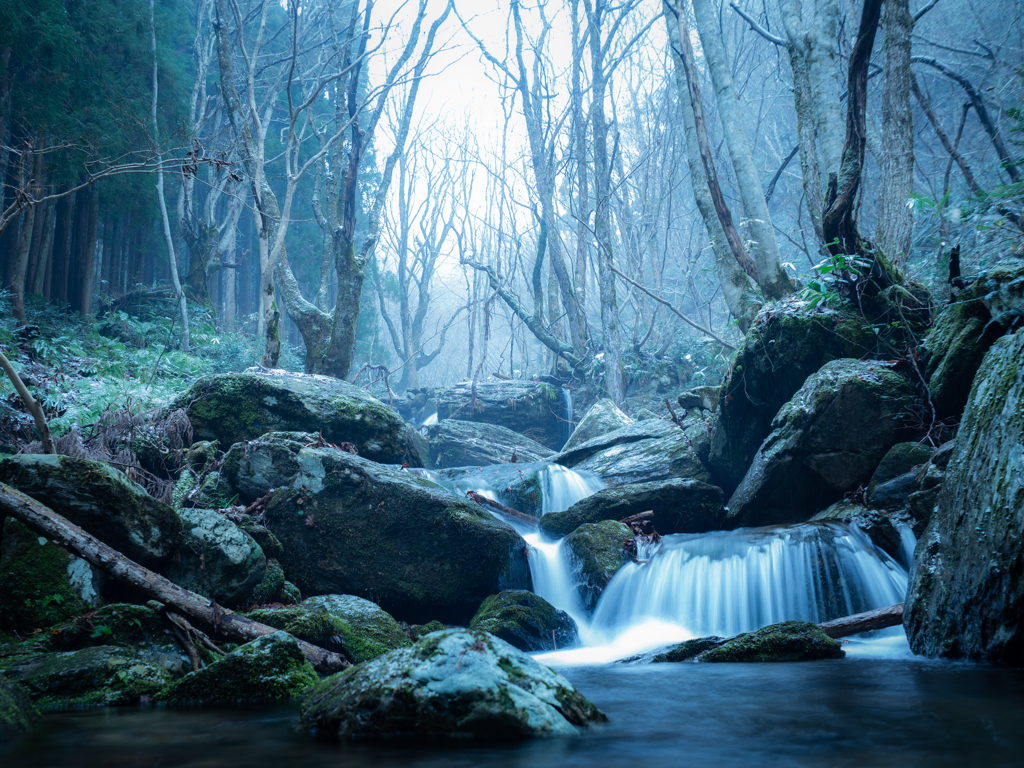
<point x="596" y="553"/>
<point x="531" y="408"/>
<point x="92" y="677"/>
<point x="458" y="443"/>
<point x="253" y="467"/>
<point x="233" y="407"/>
<point x="679" y="506"/>
<point x="41" y="584"/>
<point x="217" y="559"/>
<point x="99" y="499"/>
<point x="602" y="417"/>
<point x="966" y="598"/>
<point x="788" y="641"/>
<point x="17" y="713"/>
<point x="352" y="526"/>
<point x="356" y="628"/>
<point x="526" y="621"/>
<point x="269" y="668"/>
<point x="453" y="684"/>
<point x="646" y="451"/>
<point x="787" y="343"/>
<point x="825" y="441"/>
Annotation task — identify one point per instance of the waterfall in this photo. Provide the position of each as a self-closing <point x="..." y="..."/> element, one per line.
<point x="561" y="487"/>
<point x="569" y="426"/>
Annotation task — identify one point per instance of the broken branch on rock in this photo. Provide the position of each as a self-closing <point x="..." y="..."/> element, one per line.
<point x="515" y="514"/>
<point x="880" y="618"/>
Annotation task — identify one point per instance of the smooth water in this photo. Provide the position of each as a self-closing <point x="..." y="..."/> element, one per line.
<point x="850" y="712"/>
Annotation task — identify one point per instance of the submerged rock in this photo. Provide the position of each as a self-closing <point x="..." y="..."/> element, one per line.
<point x="270" y="668"/>
<point x="966" y="597"/>
<point x="531" y="408"/>
<point x="17" y="713"/>
<point x="356" y="628"/>
<point x="526" y="621"/>
<point x="679" y="506"/>
<point x="596" y="552"/>
<point x="217" y="560"/>
<point x="825" y="441"/>
<point x="99" y="499"/>
<point x="788" y="641"/>
<point x="234" y="407"/>
<point x="458" y="443"/>
<point x="92" y="677"/>
<point x="873" y="523"/>
<point x="603" y="417"/>
<point x="41" y="584"/>
<point x="455" y="684"/>
<point x="354" y="527"/>
<point x="787" y="343"/>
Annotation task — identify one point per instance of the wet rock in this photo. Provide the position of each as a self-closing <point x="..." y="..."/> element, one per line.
<point x="787" y="343"/>
<point x="234" y="407"/>
<point x="966" y="597"/>
<point x="788" y="641"/>
<point x="523" y="487"/>
<point x="643" y="452"/>
<point x="92" y="677"/>
<point x="41" y="584"/>
<point x="899" y="460"/>
<point x="602" y="417"/>
<point x="218" y="560"/>
<point x="457" y="443"/>
<point x="455" y="684"/>
<point x="526" y="621"/>
<point x="704" y="398"/>
<point x="679" y="506"/>
<point x="688" y="650"/>
<point x="1001" y="290"/>
<point x="894" y="494"/>
<point x="17" y="713"/>
<point x="873" y="523"/>
<point x="99" y="499"/>
<point x="270" y="668"/>
<point x="354" y="527"/>
<point x="531" y="408"/>
<point x="254" y="467"/>
<point x="595" y="550"/>
<point x="825" y="442"/>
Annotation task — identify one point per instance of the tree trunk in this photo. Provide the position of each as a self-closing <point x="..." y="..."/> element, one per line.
<point x="341" y="349"/>
<point x="880" y="618"/>
<point x="17" y="287"/>
<point x="113" y="563"/>
<point x="895" y="225"/>
<point x="62" y="249"/>
<point x="88" y="273"/>
<point x="772" y="278"/>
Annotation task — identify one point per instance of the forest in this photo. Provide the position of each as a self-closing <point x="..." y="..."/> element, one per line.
<point x="441" y="370"/>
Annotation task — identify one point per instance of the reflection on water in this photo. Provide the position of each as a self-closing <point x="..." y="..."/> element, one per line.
<point x="853" y="712"/>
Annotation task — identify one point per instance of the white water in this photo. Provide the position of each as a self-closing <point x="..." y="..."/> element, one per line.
<point x="569" y="425"/>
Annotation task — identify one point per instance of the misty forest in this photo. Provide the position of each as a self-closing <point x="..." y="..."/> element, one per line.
<point x="544" y="381"/>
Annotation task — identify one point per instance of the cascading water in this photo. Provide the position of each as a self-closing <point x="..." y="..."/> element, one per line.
<point x="569" y="425"/>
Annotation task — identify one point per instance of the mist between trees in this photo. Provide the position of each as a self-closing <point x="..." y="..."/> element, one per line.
<point x="444" y="190"/>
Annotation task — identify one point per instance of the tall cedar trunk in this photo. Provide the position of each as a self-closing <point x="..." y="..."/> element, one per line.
<point x="62" y="249"/>
<point x="897" y="173"/>
<point x="43" y="216"/>
<point x="88" y="270"/>
<point x="737" y="288"/>
<point x="79" y="248"/>
<point x="44" y="264"/>
<point x="772" y="278"/>
<point x="17" y="284"/>
<point x="614" y="379"/>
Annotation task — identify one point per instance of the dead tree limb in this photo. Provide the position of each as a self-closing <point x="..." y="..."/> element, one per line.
<point x="113" y="563"/>
<point x="638" y="517"/>
<point x="515" y="514"/>
<point x="880" y="618"/>
<point x="30" y="403"/>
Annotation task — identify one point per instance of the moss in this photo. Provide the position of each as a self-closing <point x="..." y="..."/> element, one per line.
<point x="688" y="650"/>
<point x="526" y="621"/>
<point x="268" y="542"/>
<point x="270" y="668"/>
<point x="35" y="587"/>
<point x="597" y="551"/>
<point x="269" y="590"/>
<point x="425" y="629"/>
<point x="788" y="641"/>
<point x="17" y="713"/>
<point x="314" y="626"/>
<point x="119" y="624"/>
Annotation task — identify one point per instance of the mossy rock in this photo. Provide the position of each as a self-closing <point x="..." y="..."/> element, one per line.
<point x="270" y="589"/>
<point x="458" y="685"/>
<point x="17" y="712"/>
<point x="270" y="668"/>
<point x="92" y="677"/>
<point x="269" y="461"/>
<point x="421" y="630"/>
<point x="688" y="650"/>
<point x="825" y="442"/>
<point x="261" y="535"/>
<point x="788" y="342"/>
<point x="526" y="621"/>
<point x="596" y="553"/>
<point x="434" y="555"/>
<point x="458" y="443"/>
<point x="602" y="417"/>
<point x="530" y="408"/>
<point x="234" y="407"/>
<point x="120" y="624"/>
<point x="788" y="641"/>
<point x="41" y="584"/>
<point x="217" y="560"/>
<point x="679" y="506"/>
<point x="99" y="499"/>
<point x="899" y="460"/>
<point x="875" y="525"/>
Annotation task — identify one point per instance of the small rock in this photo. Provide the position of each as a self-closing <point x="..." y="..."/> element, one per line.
<point x="788" y="641"/>
<point x="596" y="552"/>
<point x="526" y="621"/>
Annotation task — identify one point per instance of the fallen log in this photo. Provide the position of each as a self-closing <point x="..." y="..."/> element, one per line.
<point x="113" y="563"/>
<point x="880" y="618"/>
<point x="638" y="517"/>
<point x="515" y="514"/>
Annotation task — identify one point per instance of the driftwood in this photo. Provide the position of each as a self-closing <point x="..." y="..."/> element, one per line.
<point x="515" y="514"/>
<point x="113" y="563"/>
<point x="638" y="517"/>
<point x="880" y="618"/>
